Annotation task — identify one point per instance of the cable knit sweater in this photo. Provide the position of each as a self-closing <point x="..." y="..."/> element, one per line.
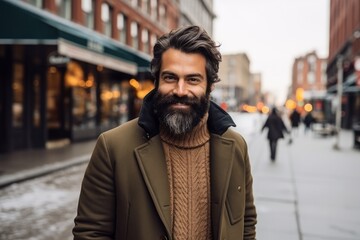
<point x="188" y="165"/>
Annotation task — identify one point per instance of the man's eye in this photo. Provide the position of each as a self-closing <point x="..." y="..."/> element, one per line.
<point x="168" y="78"/>
<point x="193" y="80"/>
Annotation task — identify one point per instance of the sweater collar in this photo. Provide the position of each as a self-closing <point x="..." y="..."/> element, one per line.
<point x="218" y="120"/>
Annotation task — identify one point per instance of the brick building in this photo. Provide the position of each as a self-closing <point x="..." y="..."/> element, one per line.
<point x="344" y="43"/>
<point x="309" y="82"/>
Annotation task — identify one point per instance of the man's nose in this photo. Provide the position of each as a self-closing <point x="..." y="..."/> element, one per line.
<point x="181" y="88"/>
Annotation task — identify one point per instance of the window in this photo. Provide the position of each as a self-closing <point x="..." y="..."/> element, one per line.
<point x="312" y="63"/>
<point x="64" y="8"/>
<point x="162" y="13"/>
<point x="18" y="95"/>
<point x="323" y="72"/>
<point x="37" y="104"/>
<point x="134" y="3"/>
<point x="36" y="3"/>
<point x="134" y="35"/>
<point x="153" y="10"/>
<point x="145" y="40"/>
<point x="122" y="27"/>
<point x="106" y="19"/>
<point x="300" y="66"/>
<point x="114" y="103"/>
<point x="153" y="39"/>
<point x="88" y="7"/>
<point x="145" y="6"/>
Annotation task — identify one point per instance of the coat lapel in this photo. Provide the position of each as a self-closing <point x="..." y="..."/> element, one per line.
<point x="221" y="152"/>
<point x="152" y="163"/>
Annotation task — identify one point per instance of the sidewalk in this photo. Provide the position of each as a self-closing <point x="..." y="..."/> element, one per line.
<point x="308" y="193"/>
<point x="22" y="165"/>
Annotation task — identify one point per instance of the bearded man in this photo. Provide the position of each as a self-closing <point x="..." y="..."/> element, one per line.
<point x="178" y="171"/>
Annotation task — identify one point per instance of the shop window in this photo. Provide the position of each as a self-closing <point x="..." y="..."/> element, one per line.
<point x="53" y="98"/>
<point x="88" y="7"/>
<point x="36" y="108"/>
<point x="121" y="26"/>
<point x="106" y="19"/>
<point x="134" y="34"/>
<point x="83" y="94"/>
<point x="64" y="8"/>
<point x="18" y="95"/>
<point x="114" y="103"/>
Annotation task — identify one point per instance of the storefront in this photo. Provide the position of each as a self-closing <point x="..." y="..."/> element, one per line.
<point x="62" y="82"/>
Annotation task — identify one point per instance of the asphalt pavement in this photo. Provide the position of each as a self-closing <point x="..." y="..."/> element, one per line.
<point x="306" y="194"/>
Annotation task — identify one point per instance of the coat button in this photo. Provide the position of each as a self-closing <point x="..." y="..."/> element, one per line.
<point x="239" y="188"/>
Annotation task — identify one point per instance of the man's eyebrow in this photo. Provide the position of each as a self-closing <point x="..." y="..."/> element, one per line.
<point x="195" y="75"/>
<point x="167" y="72"/>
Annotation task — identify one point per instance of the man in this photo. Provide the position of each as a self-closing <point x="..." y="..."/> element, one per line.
<point x="176" y="172"/>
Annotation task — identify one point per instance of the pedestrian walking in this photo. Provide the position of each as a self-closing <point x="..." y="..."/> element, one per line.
<point x="276" y="127"/>
<point x="178" y="171"/>
<point x="308" y="121"/>
<point x="295" y="119"/>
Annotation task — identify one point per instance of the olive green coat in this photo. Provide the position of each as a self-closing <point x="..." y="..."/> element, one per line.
<point x="125" y="190"/>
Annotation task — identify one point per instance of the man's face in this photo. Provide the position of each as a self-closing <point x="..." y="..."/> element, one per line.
<point x="182" y="98"/>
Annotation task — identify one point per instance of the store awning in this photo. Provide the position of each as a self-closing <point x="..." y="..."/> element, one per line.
<point x="22" y="23"/>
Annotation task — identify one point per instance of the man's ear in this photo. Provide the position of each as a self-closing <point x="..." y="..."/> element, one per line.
<point x="212" y="87"/>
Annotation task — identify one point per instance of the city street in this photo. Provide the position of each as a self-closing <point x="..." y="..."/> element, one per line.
<point x="306" y="194"/>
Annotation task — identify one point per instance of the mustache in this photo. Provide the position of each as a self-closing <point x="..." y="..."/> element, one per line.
<point x="173" y="99"/>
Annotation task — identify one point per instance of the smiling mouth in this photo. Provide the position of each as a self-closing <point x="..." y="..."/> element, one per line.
<point x="180" y="106"/>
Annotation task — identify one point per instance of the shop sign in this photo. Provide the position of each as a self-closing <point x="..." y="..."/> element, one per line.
<point x="95" y="46"/>
<point x="57" y="59"/>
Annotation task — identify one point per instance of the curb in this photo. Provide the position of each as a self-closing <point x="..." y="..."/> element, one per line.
<point x="21" y="176"/>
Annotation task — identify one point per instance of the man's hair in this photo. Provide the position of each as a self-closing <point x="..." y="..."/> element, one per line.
<point x="189" y="39"/>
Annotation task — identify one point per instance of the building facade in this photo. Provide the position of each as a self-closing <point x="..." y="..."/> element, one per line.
<point x="72" y="69"/>
<point x="235" y="86"/>
<point x="344" y="45"/>
<point x="309" y="83"/>
<point x="197" y="12"/>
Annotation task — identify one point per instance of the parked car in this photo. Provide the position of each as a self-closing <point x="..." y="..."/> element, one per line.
<point x="324" y="128"/>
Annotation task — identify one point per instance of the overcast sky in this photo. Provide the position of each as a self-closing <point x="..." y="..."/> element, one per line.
<point x="272" y="33"/>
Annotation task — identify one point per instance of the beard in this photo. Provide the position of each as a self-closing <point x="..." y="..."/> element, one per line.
<point x="180" y="121"/>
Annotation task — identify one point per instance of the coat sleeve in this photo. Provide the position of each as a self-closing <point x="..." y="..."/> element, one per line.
<point x="96" y="208"/>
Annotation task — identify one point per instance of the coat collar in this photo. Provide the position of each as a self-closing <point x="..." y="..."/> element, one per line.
<point x="218" y="122"/>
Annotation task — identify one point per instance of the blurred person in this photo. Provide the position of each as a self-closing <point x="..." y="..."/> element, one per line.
<point x="276" y="127"/>
<point x="178" y="171"/>
<point x="295" y="120"/>
<point x="308" y="121"/>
